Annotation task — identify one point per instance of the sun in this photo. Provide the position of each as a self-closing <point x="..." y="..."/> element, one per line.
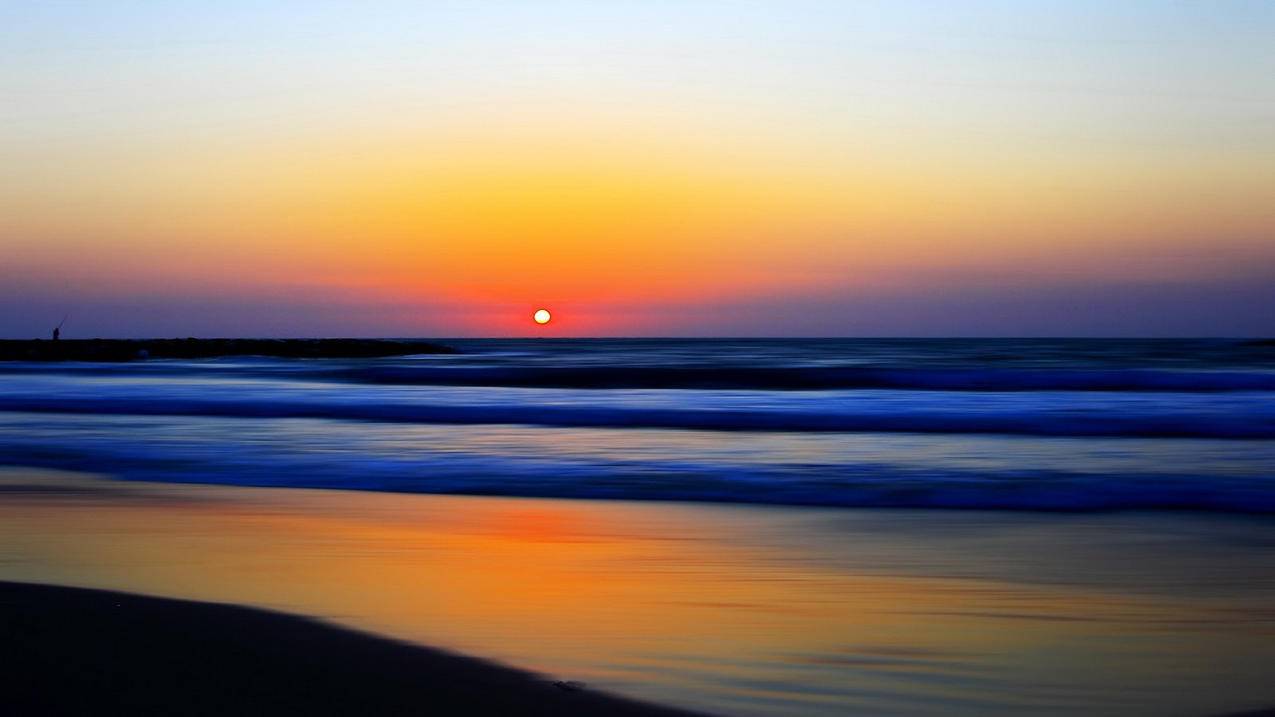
<point x="542" y="316"/>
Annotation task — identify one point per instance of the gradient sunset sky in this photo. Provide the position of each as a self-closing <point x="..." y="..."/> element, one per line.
<point x="639" y="168"/>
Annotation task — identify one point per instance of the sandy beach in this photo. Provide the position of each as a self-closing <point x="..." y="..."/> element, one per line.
<point x="733" y="610"/>
<point x="70" y="651"/>
<point x="746" y="359"/>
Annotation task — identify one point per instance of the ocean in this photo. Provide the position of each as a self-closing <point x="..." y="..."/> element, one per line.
<point x="768" y="527"/>
<point x="998" y="424"/>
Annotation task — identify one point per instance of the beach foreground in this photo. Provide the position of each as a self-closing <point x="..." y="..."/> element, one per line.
<point x="736" y="610"/>
<point x="77" y="651"/>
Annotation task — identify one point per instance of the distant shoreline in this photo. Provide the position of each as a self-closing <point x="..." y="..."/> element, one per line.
<point x="192" y="348"/>
<point x="80" y="651"/>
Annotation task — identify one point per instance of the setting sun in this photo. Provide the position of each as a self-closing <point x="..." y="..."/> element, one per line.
<point x="860" y="310"/>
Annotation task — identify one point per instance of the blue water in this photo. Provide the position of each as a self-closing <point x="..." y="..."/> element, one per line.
<point x="958" y="423"/>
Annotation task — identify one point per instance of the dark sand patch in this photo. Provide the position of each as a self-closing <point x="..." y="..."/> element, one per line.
<point x="77" y="651"/>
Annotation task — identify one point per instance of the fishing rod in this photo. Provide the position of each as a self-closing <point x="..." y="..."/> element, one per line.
<point x="57" y="330"/>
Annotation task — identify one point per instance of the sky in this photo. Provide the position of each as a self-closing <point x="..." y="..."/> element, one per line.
<point x="657" y="168"/>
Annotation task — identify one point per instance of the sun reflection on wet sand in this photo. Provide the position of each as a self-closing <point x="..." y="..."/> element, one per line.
<point x="742" y="610"/>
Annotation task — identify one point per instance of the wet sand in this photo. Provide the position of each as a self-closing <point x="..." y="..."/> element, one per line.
<point x="69" y="651"/>
<point x="735" y="610"/>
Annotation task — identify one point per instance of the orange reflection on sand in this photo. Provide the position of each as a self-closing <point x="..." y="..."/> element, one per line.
<point x="703" y="606"/>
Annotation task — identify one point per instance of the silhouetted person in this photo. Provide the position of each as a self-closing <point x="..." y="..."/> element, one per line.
<point x="56" y="333"/>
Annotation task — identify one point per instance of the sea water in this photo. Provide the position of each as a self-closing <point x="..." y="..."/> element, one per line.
<point x="1034" y="424"/>
<point x="1113" y="552"/>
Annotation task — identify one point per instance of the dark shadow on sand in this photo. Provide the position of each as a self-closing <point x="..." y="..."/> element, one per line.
<point x="74" y="651"/>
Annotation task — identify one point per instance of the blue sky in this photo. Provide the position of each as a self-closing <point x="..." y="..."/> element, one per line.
<point x="649" y="167"/>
